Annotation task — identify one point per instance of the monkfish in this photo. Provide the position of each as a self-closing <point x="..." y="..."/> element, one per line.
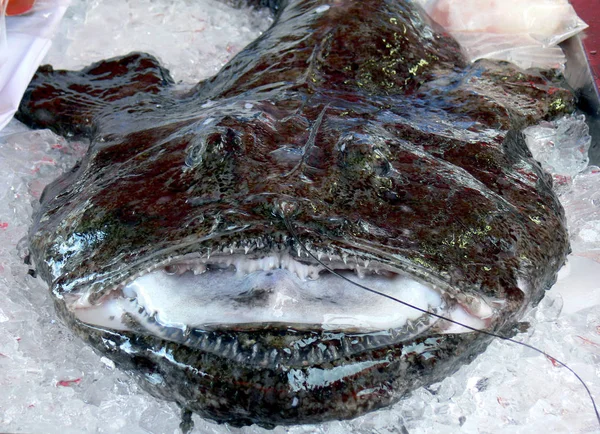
<point x="191" y="244"/>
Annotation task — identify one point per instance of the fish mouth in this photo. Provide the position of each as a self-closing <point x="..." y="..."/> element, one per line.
<point x="208" y="302"/>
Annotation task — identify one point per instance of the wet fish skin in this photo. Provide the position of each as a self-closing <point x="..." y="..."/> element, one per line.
<point x="365" y="120"/>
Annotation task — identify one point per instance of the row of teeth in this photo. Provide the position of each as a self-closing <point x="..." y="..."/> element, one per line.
<point x="198" y="264"/>
<point x="298" y="353"/>
<point x="245" y="265"/>
<point x="251" y="246"/>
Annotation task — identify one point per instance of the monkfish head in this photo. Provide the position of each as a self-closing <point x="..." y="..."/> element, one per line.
<point x="195" y="241"/>
<point x="203" y="258"/>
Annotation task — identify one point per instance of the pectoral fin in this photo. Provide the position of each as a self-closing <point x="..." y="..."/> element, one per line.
<point x="70" y="102"/>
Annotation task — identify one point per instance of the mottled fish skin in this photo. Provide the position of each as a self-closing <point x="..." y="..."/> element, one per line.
<point x="361" y="122"/>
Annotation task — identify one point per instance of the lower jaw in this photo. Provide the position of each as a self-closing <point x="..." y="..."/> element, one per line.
<point x="275" y="346"/>
<point x="270" y="345"/>
<point x="240" y="392"/>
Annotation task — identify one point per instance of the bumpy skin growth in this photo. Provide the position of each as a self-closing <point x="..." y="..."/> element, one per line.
<point x="361" y="123"/>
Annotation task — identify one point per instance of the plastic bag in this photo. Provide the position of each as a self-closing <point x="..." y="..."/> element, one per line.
<point x="3" y="46"/>
<point x="41" y="21"/>
<point x="26" y="42"/>
<point x="525" y="32"/>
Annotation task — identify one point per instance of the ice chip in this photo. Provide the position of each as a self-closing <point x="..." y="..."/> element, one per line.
<point x="582" y="207"/>
<point x="560" y="146"/>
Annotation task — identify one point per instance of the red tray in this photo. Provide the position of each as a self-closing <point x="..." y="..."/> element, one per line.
<point x="589" y="11"/>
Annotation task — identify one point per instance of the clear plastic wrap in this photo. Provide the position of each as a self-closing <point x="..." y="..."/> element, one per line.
<point x="41" y="21"/>
<point x="28" y="39"/>
<point x="525" y="32"/>
<point x="3" y="46"/>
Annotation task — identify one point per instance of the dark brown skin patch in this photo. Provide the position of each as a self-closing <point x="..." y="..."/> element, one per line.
<point x="365" y="127"/>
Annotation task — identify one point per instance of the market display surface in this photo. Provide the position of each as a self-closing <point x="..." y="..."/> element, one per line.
<point x="233" y="118"/>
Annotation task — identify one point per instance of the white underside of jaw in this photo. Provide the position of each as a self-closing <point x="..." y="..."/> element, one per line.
<point x="275" y="289"/>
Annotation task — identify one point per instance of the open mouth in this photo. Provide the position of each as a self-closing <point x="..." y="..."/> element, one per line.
<point x="245" y="293"/>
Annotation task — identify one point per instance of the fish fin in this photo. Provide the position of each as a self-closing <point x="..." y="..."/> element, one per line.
<point x="69" y="102"/>
<point x="187" y="423"/>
